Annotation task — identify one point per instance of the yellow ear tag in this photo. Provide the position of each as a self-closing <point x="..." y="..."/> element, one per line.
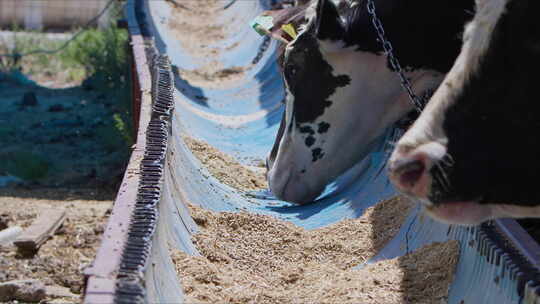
<point x="289" y="29"/>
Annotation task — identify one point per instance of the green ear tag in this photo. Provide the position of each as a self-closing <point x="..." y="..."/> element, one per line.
<point x="262" y="24"/>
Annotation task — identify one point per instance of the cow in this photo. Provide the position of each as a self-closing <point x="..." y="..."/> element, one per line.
<point x="471" y="155"/>
<point x="341" y="91"/>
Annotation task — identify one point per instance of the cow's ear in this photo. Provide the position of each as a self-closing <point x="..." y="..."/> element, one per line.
<point x="329" y="24"/>
<point x="284" y="22"/>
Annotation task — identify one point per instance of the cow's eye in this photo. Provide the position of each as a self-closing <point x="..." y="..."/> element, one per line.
<point x="290" y="69"/>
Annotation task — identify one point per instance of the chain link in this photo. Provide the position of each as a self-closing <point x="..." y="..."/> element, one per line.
<point x="394" y="62"/>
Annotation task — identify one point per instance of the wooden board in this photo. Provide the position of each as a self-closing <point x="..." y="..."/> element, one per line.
<point x="41" y="229"/>
<point x="9" y="234"/>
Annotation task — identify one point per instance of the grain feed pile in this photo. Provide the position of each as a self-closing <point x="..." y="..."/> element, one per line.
<point x="194" y="25"/>
<point x="225" y="168"/>
<point x="248" y="258"/>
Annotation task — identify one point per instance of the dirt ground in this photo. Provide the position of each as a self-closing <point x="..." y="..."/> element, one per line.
<point x="61" y="260"/>
<point x="248" y="258"/>
<point x="65" y="126"/>
<point x="61" y="142"/>
<point x="55" y="147"/>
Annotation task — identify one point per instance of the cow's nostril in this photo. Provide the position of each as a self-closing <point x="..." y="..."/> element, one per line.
<point x="409" y="172"/>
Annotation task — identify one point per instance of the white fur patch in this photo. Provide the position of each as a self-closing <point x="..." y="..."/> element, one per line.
<point x="311" y="17"/>
<point x="329" y="46"/>
<point x="478" y="33"/>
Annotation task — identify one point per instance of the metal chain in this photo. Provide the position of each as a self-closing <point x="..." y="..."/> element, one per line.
<point x="389" y="52"/>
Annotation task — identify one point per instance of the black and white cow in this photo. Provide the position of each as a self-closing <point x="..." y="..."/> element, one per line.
<point x="342" y="93"/>
<point x="472" y="155"/>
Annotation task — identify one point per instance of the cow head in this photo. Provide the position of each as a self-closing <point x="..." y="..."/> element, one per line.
<point x="471" y="156"/>
<point x="341" y="91"/>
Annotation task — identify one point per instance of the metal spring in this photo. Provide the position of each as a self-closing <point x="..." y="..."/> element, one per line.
<point x="129" y="291"/>
<point x="130" y="286"/>
<point x="162" y="87"/>
<point x="492" y="245"/>
<point x="526" y="274"/>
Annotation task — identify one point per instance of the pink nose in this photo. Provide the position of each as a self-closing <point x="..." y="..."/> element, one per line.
<point x="409" y="168"/>
<point x="407" y="172"/>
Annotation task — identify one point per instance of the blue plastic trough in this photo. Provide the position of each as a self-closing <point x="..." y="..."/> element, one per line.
<point x="242" y="120"/>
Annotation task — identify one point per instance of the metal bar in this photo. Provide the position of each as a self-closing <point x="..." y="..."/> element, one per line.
<point x="135" y="95"/>
<point x="520" y="240"/>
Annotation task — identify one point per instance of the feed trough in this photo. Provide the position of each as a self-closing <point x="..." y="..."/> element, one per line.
<point x="232" y="105"/>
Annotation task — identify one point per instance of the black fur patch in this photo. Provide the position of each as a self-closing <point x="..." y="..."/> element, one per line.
<point x="492" y="127"/>
<point x="310" y="79"/>
<point x="323" y="127"/>
<point x="424" y="33"/>
<point x="306" y="129"/>
<point x="310" y="140"/>
<point x="317" y="154"/>
<point x="330" y="25"/>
